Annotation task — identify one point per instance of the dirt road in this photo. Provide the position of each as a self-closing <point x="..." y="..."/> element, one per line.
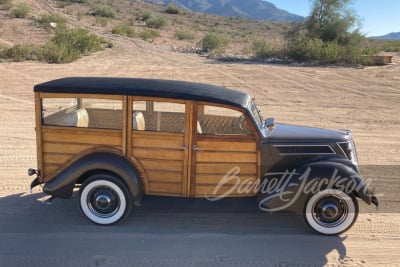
<point x="173" y="232"/>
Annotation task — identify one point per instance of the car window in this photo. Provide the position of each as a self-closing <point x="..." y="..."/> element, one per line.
<point x="82" y="113"/>
<point x="221" y="121"/>
<point x="158" y="116"/>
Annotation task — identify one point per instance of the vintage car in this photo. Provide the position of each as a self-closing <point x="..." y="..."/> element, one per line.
<point x="118" y="139"/>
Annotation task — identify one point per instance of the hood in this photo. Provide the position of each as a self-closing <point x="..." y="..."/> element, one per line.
<point x="283" y="133"/>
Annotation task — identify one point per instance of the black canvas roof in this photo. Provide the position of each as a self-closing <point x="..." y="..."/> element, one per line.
<point x="146" y="87"/>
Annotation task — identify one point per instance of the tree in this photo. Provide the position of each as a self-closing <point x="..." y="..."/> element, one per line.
<point x="331" y="20"/>
<point x="330" y="35"/>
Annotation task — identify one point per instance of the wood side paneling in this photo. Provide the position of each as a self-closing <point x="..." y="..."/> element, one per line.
<point x="169" y="189"/>
<point x="228" y="191"/>
<point x="233" y="163"/>
<point x="221" y="157"/>
<point x="163" y="159"/>
<point x="212" y="179"/>
<point x="154" y="153"/>
<point x="227" y="146"/>
<point x="105" y="137"/>
<point x="165" y="176"/>
<point x="223" y="168"/>
<point x="61" y="145"/>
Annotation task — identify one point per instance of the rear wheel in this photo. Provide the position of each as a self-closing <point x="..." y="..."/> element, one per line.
<point x="104" y="199"/>
<point x="331" y="212"/>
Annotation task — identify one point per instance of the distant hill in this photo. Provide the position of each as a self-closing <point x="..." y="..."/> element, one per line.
<point x="251" y="9"/>
<point x="390" y="36"/>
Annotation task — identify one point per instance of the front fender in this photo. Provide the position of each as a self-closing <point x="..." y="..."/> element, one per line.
<point x="290" y="190"/>
<point x="62" y="184"/>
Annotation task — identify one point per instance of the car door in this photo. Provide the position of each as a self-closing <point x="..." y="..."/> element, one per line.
<point x="159" y="143"/>
<point x="224" y="152"/>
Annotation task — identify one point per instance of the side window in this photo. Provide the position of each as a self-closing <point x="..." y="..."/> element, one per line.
<point x="221" y="121"/>
<point x="82" y="113"/>
<point x="158" y="116"/>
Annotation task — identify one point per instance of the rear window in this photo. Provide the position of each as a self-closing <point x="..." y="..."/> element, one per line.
<point x="82" y="113"/>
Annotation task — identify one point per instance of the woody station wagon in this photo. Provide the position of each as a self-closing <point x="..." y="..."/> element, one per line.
<point x="118" y="139"/>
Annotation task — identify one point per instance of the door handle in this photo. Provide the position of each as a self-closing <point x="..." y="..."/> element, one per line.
<point x="183" y="147"/>
<point x="196" y="148"/>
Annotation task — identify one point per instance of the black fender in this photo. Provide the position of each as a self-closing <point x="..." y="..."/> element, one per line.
<point x="62" y="185"/>
<point x="297" y="185"/>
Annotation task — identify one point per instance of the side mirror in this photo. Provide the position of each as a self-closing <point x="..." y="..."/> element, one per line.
<point x="269" y="123"/>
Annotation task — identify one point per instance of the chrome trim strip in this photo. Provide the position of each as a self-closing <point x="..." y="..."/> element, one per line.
<point x="297" y="154"/>
<point x="344" y="153"/>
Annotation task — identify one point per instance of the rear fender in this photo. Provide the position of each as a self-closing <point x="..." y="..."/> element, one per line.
<point x="62" y="184"/>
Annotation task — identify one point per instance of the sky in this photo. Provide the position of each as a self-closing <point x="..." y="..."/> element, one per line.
<point x="378" y="17"/>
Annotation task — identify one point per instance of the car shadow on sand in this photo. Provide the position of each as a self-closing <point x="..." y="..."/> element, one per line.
<point x="229" y="232"/>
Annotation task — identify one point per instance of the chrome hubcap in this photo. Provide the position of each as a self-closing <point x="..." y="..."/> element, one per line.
<point x="103" y="202"/>
<point x="330" y="211"/>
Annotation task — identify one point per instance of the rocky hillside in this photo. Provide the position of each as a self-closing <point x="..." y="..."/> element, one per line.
<point x="251" y="9"/>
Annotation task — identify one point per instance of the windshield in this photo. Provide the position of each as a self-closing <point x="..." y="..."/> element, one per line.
<point x="256" y="114"/>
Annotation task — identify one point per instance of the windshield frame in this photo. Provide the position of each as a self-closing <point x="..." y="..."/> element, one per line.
<point x="256" y="114"/>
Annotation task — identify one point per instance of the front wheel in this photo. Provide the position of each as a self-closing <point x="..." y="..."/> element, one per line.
<point x="104" y="199"/>
<point x="331" y="212"/>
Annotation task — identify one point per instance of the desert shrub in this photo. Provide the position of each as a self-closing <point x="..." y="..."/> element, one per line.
<point x="149" y="35"/>
<point x="172" y="9"/>
<point x="145" y="15"/>
<point x="45" y="20"/>
<point x="21" y="11"/>
<point x="184" y="35"/>
<point x="19" y="52"/>
<point x="64" y="3"/>
<point x="316" y="50"/>
<point x="261" y="49"/>
<point x="5" y="4"/>
<point x="59" y="53"/>
<point x="213" y="41"/>
<point x="123" y="28"/>
<point x="156" y="22"/>
<point x="105" y="11"/>
<point x="392" y="46"/>
<point x="68" y="45"/>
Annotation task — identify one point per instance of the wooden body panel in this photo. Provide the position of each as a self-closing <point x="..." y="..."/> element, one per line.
<point x="224" y="166"/>
<point x="162" y="156"/>
<point x="60" y="145"/>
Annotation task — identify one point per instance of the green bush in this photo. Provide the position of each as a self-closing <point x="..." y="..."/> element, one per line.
<point x="19" y="52"/>
<point x="213" y="41"/>
<point x="156" y="22"/>
<point x="123" y="28"/>
<point x="68" y="45"/>
<point x="59" y="53"/>
<point x="21" y="11"/>
<point x="261" y="49"/>
<point x="146" y="15"/>
<point x="172" y="9"/>
<point x="392" y="46"/>
<point x="5" y="4"/>
<point x="105" y="11"/>
<point x="149" y="35"/>
<point x="45" y="20"/>
<point x="184" y="35"/>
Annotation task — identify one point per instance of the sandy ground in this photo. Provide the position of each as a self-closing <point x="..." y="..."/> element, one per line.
<point x="176" y="232"/>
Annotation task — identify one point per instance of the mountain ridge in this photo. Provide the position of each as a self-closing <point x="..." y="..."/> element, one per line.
<point x="389" y="36"/>
<point x="251" y="9"/>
